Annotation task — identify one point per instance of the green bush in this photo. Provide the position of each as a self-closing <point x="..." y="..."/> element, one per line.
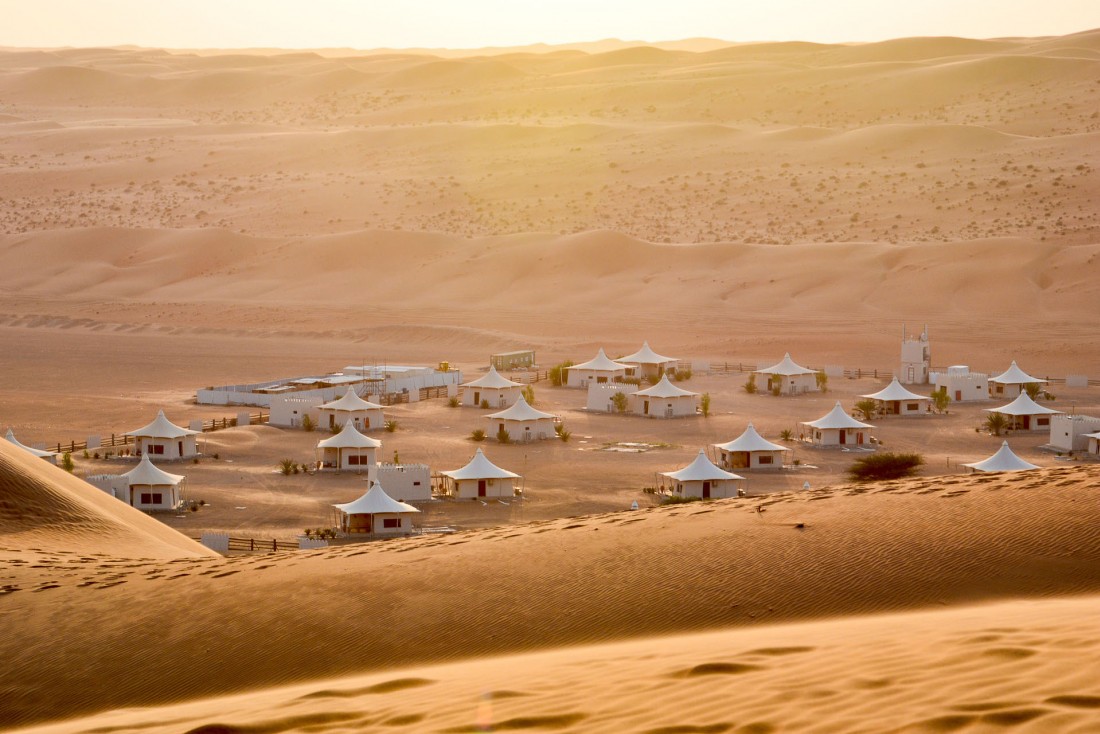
<point x="750" y="384"/>
<point x="67" y="462"/>
<point x="558" y="374"/>
<point x="286" y="466"/>
<point x="940" y="399"/>
<point x="503" y="436"/>
<point x="477" y="435"/>
<point x="822" y="381"/>
<point x="484" y="404"/>
<point x="308" y="424"/>
<point x="866" y="408"/>
<point x="452" y="402"/>
<point x="877" y="467"/>
<point x="704" y="404"/>
<point x="391" y="425"/>
<point x="995" y="423"/>
<point x="620" y="402"/>
<point x="529" y="394"/>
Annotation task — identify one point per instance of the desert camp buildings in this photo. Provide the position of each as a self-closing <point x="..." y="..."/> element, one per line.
<point x="164" y="440"/>
<point x="646" y="364"/>
<point x="146" y="486"/>
<point x="375" y="514"/>
<point x="750" y="450"/>
<point x="895" y="399"/>
<point x="349" y="450"/>
<point x="492" y="390"/>
<point x="480" y="478"/>
<point x="1011" y="382"/>
<point x="786" y="377"/>
<point x="837" y="428"/>
<point x="664" y="400"/>
<point x="1024" y="414"/>
<point x="522" y="422"/>
<point x="1004" y="460"/>
<point x="598" y="370"/>
<point x="49" y="456"/>
<point x="363" y="414"/>
<point x="702" y="479"/>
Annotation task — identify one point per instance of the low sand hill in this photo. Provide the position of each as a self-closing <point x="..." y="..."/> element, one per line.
<point x="212" y="627"/>
<point x="49" y="511"/>
<point x="1021" y="666"/>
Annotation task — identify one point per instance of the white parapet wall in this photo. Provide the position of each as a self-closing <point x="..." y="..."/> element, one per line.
<point x="406" y="482"/>
<point x="1068" y="432"/>
<point x="263" y="394"/>
<point x="218" y="542"/>
<point x="600" y="395"/>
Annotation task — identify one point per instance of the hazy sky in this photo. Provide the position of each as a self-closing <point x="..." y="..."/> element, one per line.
<point x="475" y="23"/>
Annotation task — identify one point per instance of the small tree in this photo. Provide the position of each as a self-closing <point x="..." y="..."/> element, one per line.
<point x="503" y="436"/>
<point x="391" y="425"/>
<point x="995" y="423"/>
<point x="452" y="402"/>
<point x="287" y="466"/>
<point x="878" y="467"/>
<point x="558" y="373"/>
<point x="786" y="435"/>
<point x="704" y="404"/>
<point x="563" y="434"/>
<point x="683" y="373"/>
<point x="477" y="435"/>
<point x="1033" y="390"/>
<point x="67" y="462"/>
<point x="776" y="387"/>
<point x="308" y="424"/>
<point x="867" y="408"/>
<point x="529" y="394"/>
<point x="750" y="384"/>
<point x="620" y="402"/>
<point x="940" y="399"/>
<point x="822" y="381"/>
<point x="484" y="404"/>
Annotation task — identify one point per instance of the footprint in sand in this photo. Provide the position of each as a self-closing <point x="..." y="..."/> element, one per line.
<point x="716" y="669"/>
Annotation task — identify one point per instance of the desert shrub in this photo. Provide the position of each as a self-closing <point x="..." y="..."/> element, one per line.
<point x="675" y="499"/>
<point x="452" y="402"/>
<point x="563" y="434"/>
<point x="503" y="436"/>
<point x="477" y="435"/>
<point x="995" y="423"/>
<point x="776" y="388"/>
<point x="940" y="399"/>
<point x="529" y="394"/>
<point x="85" y="454"/>
<point x="750" y="384"/>
<point x="786" y="434"/>
<point x="620" y="402"/>
<point x="286" y="466"/>
<point x="558" y="373"/>
<point x="484" y="404"/>
<point x="866" y="408"/>
<point x="704" y="404"/>
<point x="822" y="381"/>
<point x="308" y="424"/>
<point x="682" y="373"/>
<point x="67" y="462"/>
<point x="1033" y="390"/>
<point x="877" y="467"/>
<point x="626" y="380"/>
<point x="391" y="425"/>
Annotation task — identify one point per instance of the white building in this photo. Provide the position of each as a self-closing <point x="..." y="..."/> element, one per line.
<point x="750" y="450"/>
<point x="145" y="487"/>
<point x="791" y="378"/>
<point x="1003" y="460"/>
<point x="664" y="400"/>
<point x="1011" y="382"/>
<point x="1094" y="444"/>
<point x="47" y="455"/>
<point x="916" y="358"/>
<point x="600" y="398"/>
<point x="597" y="370"/>
<point x="290" y="411"/>
<point x="493" y="389"/>
<point x="837" y="428"/>
<point x="963" y="386"/>
<point x="376" y="514"/>
<point x="894" y="399"/>
<point x="1071" y="432"/>
<point x="350" y="407"/>
<point x="350" y="450"/>
<point x="522" y="422"/>
<point x="479" y="478"/>
<point x="702" y="479"/>
<point x="406" y="482"/>
<point x="647" y="364"/>
<point x="1024" y="414"/>
<point x="165" y="440"/>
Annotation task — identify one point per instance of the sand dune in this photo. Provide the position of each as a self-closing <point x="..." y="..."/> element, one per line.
<point x="43" y="507"/>
<point x="902" y="545"/>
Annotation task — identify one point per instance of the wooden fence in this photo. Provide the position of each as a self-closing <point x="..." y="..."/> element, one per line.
<point x="263" y="545"/>
<point x="116" y="440"/>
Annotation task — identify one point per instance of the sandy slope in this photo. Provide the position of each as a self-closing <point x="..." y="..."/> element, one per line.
<point x="214" y="626"/>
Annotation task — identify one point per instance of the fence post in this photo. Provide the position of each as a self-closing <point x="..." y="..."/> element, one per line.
<point x="251" y="544"/>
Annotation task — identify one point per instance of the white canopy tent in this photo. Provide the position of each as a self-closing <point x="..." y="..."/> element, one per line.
<point x="790" y="377"/>
<point x="479" y="478"/>
<point x="837" y="428"/>
<point x="1011" y="382"/>
<point x="492" y="388"/>
<point x="350" y="449"/>
<point x="599" y="370"/>
<point x="664" y="400"/>
<point x="152" y="488"/>
<point x="750" y="450"/>
<point x="647" y="363"/>
<point x="49" y="456"/>
<point x="1004" y="460"/>
<point x="895" y="399"/>
<point x="701" y="478"/>
<point x="522" y="422"/>
<point x="351" y="407"/>
<point x="1025" y="414"/>
<point x="376" y="513"/>
<point x="165" y="440"/>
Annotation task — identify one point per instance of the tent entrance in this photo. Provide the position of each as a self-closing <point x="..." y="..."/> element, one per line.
<point x="480" y="487"/>
<point x="706" y="490"/>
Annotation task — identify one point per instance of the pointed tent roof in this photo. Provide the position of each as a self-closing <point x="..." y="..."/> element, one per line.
<point x="520" y="411"/>
<point x="645" y="355"/>
<point x="161" y="427"/>
<point x="480" y="468"/>
<point x="836" y="418"/>
<point x="493" y="380"/>
<point x="599" y="363"/>
<point x="1093" y="435"/>
<point x="146" y="473"/>
<point x="895" y="391"/>
<point x="349" y="437"/>
<point x="374" y="502"/>
<point x="37" y="452"/>
<point x="351" y="402"/>
<point x="664" y="389"/>
<point x="1023" y="405"/>
<point x="1003" y="460"/>
<point x="1014" y="376"/>
<point x="750" y="440"/>
<point x="786" y="367"/>
<point x="700" y="470"/>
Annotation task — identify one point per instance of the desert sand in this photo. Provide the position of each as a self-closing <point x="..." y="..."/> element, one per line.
<point x="173" y="219"/>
